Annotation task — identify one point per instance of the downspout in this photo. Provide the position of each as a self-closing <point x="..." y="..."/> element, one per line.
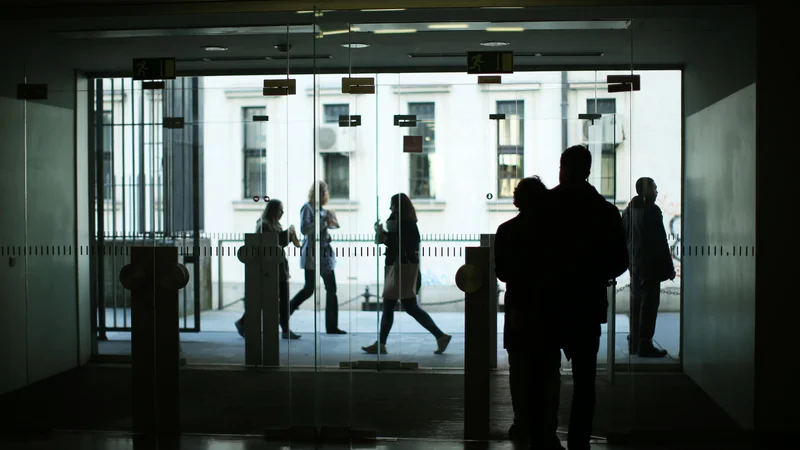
<point x="564" y="110"/>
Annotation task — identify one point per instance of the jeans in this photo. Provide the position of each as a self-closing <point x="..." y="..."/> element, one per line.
<point x="411" y="306"/>
<point x="331" y="300"/>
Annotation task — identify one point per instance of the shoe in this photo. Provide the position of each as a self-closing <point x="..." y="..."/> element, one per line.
<point x="652" y="352"/>
<point x="442" y="343"/>
<point x="239" y="328"/>
<point x="290" y="335"/>
<point x="373" y="349"/>
<point x="337" y="331"/>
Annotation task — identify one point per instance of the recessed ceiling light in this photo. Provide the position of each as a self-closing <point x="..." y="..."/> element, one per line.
<point x="355" y="45"/>
<point x="396" y="31"/>
<point x="448" y="26"/>
<point x="215" y="48"/>
<point x="505" y="29"/>
<point x="494" y="43"/>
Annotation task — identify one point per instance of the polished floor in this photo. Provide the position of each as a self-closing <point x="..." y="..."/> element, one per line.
<point x="219" y="343"/>
<point x="101" y="441"/>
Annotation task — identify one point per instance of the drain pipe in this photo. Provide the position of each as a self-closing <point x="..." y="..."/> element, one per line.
<point x="564" y="110"/>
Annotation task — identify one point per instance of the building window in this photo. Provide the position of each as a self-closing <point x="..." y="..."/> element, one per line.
<point x="331" y="113"/>
<point x="108" y="154"/>
<point x="336" y="165"/>
<point x="421" y="164"/>
<point x="601" y="105"/>
<point x="510" y="146"/>
<point x="255" y="152"/>
<point x="608" y="148"/>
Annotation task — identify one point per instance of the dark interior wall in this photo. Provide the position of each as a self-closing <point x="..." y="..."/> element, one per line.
<point x="777" y="311"/>
<point x="719" y="218"/>
<point x="37" y="178"/>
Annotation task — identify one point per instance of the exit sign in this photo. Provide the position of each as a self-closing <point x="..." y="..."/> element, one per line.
<point x="490" y="62"/>
<point x="154" y="69"/>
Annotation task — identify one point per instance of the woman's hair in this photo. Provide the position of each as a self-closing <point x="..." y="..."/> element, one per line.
<point x="403" y="207"/>
<point x="528" y="192"/>
<point x="273" y="206"/>
<point x="319" y="185"/>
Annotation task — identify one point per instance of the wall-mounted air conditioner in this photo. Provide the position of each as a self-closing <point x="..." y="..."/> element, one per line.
<point x="609" y="130"/>
<point x="335" y="139"/>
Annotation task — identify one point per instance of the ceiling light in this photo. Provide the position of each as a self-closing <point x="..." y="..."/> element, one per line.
<point x="396" y="31"/>
<point x="494" y="43"/>
<point x="330" y="33"/>
<point x="355" y="45"/>
<point x="214" y="48"/>
<point x="448" y="26"/>
<point x="505" y="29"/>
<point x="383" y="10"/>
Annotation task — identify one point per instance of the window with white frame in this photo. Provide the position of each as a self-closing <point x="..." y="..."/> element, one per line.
<point x="254" y="151"/>
<point x="510" y="146"/>
<point x="421" y="183"/>
<point x="336" y="165"/>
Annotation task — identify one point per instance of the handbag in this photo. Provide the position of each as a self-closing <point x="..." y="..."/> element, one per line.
<point x="400" y="281"/>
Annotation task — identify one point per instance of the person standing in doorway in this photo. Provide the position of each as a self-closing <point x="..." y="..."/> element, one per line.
<point x="529" y="331"/>
<point x="650" y="265"/>
<point x="586" y="252"/>
<point x="327" y="260"/>
<point x="401" y="282"/>
<point x="269" y="222"/>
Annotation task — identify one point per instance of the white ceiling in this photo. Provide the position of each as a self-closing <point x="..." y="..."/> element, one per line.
<point x="657" y="36"/>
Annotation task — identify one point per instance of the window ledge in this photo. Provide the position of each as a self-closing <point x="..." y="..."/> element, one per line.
<point x="248" y="205"/>
<point x="428" y="204"/>
<point x="502" y="205"/>
<point x="338" y="204"/>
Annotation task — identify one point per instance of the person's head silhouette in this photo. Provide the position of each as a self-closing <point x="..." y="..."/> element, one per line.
<point x="646" y="188"/>
<point x="576" y="165"/>
<point x="528" y="192"/>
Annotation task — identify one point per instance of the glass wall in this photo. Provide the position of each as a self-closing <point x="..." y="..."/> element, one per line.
<point x="371" y="167"/>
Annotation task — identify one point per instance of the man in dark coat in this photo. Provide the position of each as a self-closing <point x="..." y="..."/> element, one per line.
<point x="650" y="264"/>
<point x="588" y="251"/>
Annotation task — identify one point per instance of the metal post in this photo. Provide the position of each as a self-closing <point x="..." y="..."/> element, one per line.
<point x="261" y="256"/>
<point x="154" y="278"/>
<point x="487" y="240"/>
<point x="473" y="279"/>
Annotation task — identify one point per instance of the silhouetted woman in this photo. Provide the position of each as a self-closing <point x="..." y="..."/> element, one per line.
<point x="270" y="223"/>
<point x="402" y="242"/>
<point x="327" y="261"/>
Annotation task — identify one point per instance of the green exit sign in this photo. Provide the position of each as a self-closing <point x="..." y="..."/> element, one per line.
<point x="490" y="62"/>
<point x="154" y="69"/>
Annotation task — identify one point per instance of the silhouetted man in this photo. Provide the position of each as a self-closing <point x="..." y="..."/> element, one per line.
<point x="650" y="264"/>
<point x="524" y="333"/>
<point x="588" y="250"/>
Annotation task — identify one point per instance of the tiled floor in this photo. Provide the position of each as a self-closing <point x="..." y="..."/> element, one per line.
<point x="219" y="343"/>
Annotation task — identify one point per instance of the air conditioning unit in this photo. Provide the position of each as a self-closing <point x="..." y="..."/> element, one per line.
<point x="335" y="139"/>
<point x="609" y="130"/>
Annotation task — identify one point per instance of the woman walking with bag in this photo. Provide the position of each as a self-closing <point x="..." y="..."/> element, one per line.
<point x="402" y="242"/>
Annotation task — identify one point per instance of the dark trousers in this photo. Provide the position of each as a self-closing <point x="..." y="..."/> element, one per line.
<point x="283" y="305"/>
<point x="411" y="306"/>
<point x="581" y="348"/>
<point x="331" y="300"/>
<point x="645" y="300"/>
<point x="535" y="382"/>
